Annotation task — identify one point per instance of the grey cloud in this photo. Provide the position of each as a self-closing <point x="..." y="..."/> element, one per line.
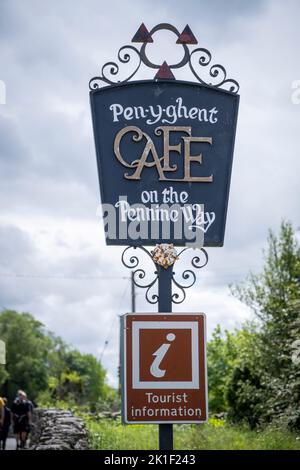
<point x="16" y="248"/>
<point x="13" y="152"/>
<point x="218" y="13"/>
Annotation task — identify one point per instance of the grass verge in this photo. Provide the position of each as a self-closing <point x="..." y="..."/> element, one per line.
<point x="109" y="434"/>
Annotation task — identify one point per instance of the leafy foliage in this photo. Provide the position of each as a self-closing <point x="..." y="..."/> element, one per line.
<point x="44" y="366"/>
<point x="251" y="372"/>
<point x="230" y="358"/>
<point x="27" y="350"/>
<point x="268" y="388"/>
<point x="221" y="354"/>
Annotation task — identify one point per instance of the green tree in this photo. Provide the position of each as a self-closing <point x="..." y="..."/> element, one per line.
<point x="226" y="354"/>
<point x="273" y="295"/>
<point x="221" y="353"/>
<point x="45" y="367"/>
<point x="27" y="348"/>
<point x="78" y="377"/>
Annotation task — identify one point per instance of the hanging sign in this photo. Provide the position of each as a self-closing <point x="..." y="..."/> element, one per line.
<point x="164" y="153"/>
<point x="164" y="148"/>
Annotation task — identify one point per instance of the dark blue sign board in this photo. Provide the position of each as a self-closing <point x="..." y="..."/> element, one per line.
<point x="164" y="154"/>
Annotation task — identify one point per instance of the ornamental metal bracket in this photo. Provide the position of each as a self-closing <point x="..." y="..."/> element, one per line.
<point x="196" y="59"/>
<point x="141" y="278"/>
<point x="188" y="275"/>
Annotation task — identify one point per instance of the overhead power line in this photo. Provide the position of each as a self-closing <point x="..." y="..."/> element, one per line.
<point x="46" y="276"/>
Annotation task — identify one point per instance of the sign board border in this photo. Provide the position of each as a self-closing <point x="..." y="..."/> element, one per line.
<point x="124" y="362"/>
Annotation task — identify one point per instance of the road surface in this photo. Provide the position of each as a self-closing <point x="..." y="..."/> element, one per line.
<point x="11" y="443"/>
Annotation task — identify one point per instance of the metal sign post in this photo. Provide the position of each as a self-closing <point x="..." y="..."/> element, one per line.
<point x="164" y="152"/>
<point x="165" y="305"/>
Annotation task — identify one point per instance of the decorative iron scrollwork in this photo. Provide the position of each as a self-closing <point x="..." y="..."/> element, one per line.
<point x="216" y="73"/>
<point x="112" y="69"/>
<point x="166" y="27"/>
<point x="139" y="274"/>
<point x="187" y="277"/>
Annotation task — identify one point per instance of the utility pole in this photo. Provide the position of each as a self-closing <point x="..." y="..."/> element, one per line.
<point x="132" y="293"/>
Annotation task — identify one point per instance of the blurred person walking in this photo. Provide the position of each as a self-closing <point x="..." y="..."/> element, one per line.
<point x="1" y="411"/>
<point x="21" y="411"/>
<point x="6" y="422"/>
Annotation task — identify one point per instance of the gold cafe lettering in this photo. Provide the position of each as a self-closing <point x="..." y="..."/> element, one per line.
<point x="163" y="164"/>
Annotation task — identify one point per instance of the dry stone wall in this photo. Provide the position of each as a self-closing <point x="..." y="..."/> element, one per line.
<point x="58" y="430"/>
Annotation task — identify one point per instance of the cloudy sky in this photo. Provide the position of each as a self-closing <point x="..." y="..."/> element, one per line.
<point x="54" y="262"/>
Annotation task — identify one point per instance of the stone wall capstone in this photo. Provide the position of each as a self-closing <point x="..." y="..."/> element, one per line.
<point x="55" y="429"/>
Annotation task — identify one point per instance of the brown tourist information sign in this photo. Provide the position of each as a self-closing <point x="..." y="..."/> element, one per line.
<point x="164" y="368"/>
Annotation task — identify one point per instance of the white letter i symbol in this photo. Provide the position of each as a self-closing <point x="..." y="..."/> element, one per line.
<point x="159" y="355"/>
